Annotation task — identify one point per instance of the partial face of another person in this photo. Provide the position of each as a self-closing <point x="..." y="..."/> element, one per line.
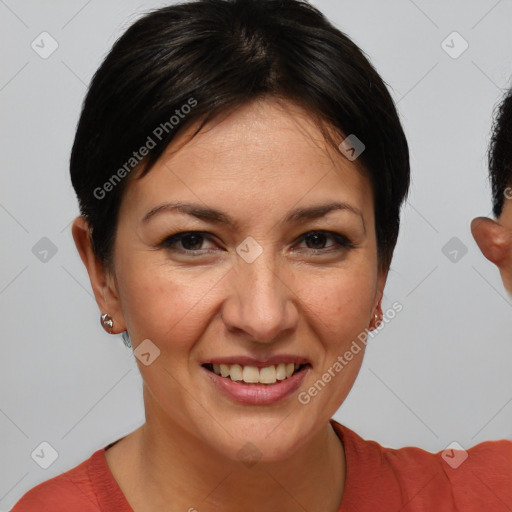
<point x="276" y="257"/>
<point x="494" y="237"/>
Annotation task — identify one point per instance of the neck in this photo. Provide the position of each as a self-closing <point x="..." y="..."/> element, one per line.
<point x="178" y="471"/>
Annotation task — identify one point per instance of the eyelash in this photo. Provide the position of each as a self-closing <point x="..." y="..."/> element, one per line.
<point x="341" y="241"/>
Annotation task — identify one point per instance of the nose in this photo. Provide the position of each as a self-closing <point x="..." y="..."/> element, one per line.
<point x="261" y="305"/>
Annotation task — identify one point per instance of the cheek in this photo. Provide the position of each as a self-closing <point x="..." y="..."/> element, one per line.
<point x="162" y="304"/>
<point x="340" y="316"/>
<point x="342" y="303"/>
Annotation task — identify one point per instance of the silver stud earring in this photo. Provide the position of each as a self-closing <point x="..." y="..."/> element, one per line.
<point x="107" y="322"/>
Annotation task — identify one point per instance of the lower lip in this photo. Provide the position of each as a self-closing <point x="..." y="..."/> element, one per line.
<point x="257" y="394"/>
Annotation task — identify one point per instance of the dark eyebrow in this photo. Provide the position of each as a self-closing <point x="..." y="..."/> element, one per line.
<point x="315" y="212"/>
<point x="216" y="216"/>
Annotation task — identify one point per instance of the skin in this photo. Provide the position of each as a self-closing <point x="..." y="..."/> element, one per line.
<point x="265" y="157"/>
<point x="494" y="237"/>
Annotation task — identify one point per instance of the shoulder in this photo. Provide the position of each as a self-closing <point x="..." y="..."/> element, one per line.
<point x="481" y="475"/>
<point x="479" y="478"/>
<point x="71" y="491"/>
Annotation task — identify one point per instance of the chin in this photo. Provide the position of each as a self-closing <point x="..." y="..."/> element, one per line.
<point x="255" y="443"/>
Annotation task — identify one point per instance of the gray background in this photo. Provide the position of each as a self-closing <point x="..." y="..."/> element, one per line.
<point x="439" y="372"/>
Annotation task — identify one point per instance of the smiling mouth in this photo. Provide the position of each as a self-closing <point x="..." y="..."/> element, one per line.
<point x="252" y="375"/>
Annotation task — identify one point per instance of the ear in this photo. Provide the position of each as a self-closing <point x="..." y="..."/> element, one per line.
<point x="377" y="313"/>
<point x="493" y="240"/>
<point x="103" y="282"/>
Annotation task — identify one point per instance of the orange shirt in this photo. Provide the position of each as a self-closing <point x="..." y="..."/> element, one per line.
<point x="378" y="479"/>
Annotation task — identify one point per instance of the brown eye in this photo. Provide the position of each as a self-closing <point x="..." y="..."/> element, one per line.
<point x="316" y="241"/>
<point x="190" y="242"/>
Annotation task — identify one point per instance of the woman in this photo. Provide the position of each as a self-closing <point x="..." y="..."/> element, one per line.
<point x="240" y="168"/>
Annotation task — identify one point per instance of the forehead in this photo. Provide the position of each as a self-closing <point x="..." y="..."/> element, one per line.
<point x="271" y="133"/>
<point x="266" y="154"/>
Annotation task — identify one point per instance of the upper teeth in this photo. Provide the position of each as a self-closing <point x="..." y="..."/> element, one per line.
<point x="251" y="374"/>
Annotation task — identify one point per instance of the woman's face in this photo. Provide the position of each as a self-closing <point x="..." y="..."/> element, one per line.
<point x="269" y="273"/>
